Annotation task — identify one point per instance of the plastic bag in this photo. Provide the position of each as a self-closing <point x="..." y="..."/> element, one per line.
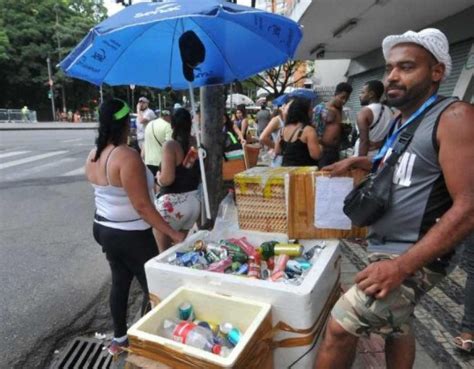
<point x="227" y="218"/>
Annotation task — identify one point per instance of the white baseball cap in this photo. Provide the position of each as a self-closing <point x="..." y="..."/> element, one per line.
<point x="431" y="39"/>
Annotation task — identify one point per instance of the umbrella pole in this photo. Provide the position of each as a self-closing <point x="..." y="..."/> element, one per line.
<point x="200" y="154"/>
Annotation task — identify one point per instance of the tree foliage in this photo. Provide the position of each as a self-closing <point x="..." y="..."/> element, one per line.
<point x="276" y="80"/>
<point x="34" y="30"/>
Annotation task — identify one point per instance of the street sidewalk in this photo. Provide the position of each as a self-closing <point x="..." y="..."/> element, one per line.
<point x="436" y="321"/>
<point x="20" y="126"/>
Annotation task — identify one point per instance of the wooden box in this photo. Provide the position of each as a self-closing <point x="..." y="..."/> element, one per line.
<point x="302" y="204"/>
<point x="252" y="318"/>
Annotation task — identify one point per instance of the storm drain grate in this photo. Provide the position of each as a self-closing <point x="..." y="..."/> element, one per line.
<point x="84" y="353"/>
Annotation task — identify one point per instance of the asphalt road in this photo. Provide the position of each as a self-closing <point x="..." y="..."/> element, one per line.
<point x="54" y="277"/>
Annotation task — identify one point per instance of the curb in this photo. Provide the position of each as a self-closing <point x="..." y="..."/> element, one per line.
<point x="46" y="126"/>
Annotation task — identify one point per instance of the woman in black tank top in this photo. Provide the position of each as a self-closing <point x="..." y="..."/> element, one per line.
<point x="298" y="143"/>
<point x="178" y="201"/>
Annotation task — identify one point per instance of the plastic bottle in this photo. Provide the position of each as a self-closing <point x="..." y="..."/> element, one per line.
<point x="227" y="211"/>
<point x="191" y="334"/>
<point x="190" y="157"/>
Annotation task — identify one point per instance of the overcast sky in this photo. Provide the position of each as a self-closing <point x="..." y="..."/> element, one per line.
<point x="112" y="7"/>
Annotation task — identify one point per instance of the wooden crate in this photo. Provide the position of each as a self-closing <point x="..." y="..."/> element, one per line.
<point x="252" y="318"/>
<point x="260" y="198"/>
<point x="301" y="207"/>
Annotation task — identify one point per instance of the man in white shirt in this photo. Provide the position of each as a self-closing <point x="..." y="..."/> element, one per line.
<point x="157" y="132"/>
<point x="144" y="115"/>
<point x="373" y="121"/>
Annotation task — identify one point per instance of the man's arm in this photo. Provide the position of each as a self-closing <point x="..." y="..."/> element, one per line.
<point x="364" y="120"/>
<point x="456" y="156"/>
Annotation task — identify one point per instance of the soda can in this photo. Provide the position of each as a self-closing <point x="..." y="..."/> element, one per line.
<point x="234" y="336"/>
<point x="199" y="245"/>
<point x="186" y="311"/>
<point x="235" y="266"/>
<point x="290" y="249"/>
<point x="254" y="268"/>
<point x="188" y="258"/>
<point x="294" y="266"/>
<point x="244" y="268"/>
<point x="214" y="247"/>
<point x="304" y="264"/>
<point x="212" y="257"/>
<point x="190" y="157"/>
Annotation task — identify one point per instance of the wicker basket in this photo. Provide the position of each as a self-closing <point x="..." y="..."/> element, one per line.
<point x="261" y="199"/>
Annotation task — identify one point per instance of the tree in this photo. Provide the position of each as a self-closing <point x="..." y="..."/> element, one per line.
<point x="35" y="30"/>
<point x="276" y="80"/>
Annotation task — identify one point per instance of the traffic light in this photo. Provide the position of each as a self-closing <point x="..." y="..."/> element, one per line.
<point x="49" y="95"/>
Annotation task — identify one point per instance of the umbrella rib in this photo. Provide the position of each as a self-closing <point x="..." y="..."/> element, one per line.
<point x="218" y="48"/>
<point x="172" y="49"/>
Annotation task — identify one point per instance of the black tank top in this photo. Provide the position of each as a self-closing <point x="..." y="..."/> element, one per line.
<point x="185" y="180"/>
<point x="296" y="153"/>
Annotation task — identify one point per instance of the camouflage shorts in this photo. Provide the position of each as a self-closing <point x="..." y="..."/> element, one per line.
<point x="391" y="315"/>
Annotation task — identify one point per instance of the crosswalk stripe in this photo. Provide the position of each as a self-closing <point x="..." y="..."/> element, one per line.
<point x="30" y="159"/>
<point x="12" y="153"/>
<point x="75" y="172"/>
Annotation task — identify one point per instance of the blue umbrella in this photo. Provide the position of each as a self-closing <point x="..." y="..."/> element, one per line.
<point x="301" y="92"/>
<point x="141" y="44"/>
<point x="174" y="43"/>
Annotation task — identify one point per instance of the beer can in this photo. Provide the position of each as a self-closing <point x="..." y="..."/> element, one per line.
<point x="244" y="268"/>
<point x="290" y="249"/>
<point x="186" y="311"/>
<point x="199" y="245"/>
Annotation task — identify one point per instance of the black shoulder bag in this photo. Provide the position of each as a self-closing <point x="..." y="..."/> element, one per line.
<point x="367" y="202"/>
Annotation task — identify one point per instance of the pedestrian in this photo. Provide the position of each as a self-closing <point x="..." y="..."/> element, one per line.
<point x="431" y="209"/>
<point x="328" y="123"/>
<point x="157" y="132"/>
<point x="373" y="120"/>
<point x="465" y="340"/>
<point x="271" y="133"/>
<point x="25" y="114"/>
<point x="77" y="117"/>
<point x="298" y="143"/>
<point x="125" y="213"/>
<point x="144" y="115"/>
<point x="232" y="146"/>
<point x="241" y="123"/>
<point x="262" y="118"/>
<point x="178" y="200"/>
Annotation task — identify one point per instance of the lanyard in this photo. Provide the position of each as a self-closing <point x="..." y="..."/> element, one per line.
<point x="391" y="140"/>
<point x="232" y="137"/>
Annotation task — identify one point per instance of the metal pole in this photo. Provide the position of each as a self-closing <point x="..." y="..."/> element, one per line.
<point x="51" y="90"/>
<point x="101" y="95"/>
<point x="200" y="155"/>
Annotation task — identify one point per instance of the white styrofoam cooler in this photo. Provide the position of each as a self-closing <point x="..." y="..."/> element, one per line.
<point x="297" y="306"/>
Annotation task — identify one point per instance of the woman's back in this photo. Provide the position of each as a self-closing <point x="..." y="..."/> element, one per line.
<point x="113" y="206"/>
<point x="295" y="150"/>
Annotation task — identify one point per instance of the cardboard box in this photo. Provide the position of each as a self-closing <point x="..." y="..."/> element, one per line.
<point x="298" y="312"/>
<point x="301" y="201"/>
<point x="251" y="317"/>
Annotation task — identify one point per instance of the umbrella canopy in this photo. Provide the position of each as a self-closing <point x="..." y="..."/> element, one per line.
<point x="305" y="93"/>
<point x="141" y="44"/>
<point x="238" y="99"/>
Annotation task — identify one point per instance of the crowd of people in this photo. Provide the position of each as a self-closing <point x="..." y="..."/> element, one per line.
<point x="412" y="246"/>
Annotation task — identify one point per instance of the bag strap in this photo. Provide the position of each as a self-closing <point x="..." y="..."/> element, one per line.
<point x="405" y="138"/>
<point x="378" y="119"/>
<point x="154" y="135"/>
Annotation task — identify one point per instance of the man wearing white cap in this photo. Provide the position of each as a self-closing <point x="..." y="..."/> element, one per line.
<point x="430" y="211"/>
<point x="144" y="115"/>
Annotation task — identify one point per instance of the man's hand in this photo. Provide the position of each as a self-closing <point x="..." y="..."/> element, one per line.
<point x="340" y="167"/>
<point x="381" y="277"/>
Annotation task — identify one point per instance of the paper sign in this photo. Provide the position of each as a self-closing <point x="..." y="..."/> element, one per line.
<point x="329" y="200"/>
